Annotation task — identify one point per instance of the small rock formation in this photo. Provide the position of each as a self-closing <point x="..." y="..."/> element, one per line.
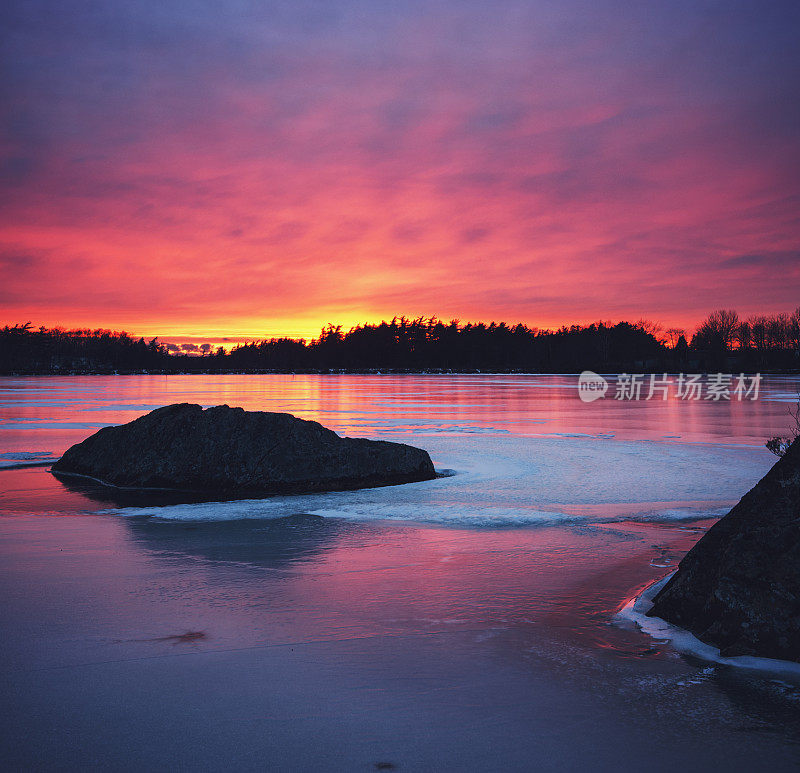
<point x="738" y="588"/>
<point x="183" y="446"/>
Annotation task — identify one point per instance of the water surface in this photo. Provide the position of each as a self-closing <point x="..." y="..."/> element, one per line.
<point x="461" y="623"/>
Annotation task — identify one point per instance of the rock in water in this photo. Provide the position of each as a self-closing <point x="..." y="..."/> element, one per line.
<point x="228" y="449"/>
<point x="738" y="588"/>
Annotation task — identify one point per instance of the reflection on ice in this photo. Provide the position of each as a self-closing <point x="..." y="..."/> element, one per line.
<point x="269" y="544"/>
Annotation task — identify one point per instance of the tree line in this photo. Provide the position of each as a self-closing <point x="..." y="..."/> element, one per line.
<point x="722" y="342"/>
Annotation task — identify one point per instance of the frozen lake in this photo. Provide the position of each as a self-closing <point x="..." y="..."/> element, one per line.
<point x="461" y="623"/>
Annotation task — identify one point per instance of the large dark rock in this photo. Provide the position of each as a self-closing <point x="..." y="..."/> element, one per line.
<point x="229" y="449"/>
<point x="738" y="588"/>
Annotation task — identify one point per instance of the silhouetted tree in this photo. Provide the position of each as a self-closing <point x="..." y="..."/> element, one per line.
<point x="718" y="331"/>
<point x="423" y="343"/>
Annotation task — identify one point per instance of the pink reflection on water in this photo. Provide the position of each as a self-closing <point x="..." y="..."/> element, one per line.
<point x="145" y="584"/>
<point x="53" y="413"/>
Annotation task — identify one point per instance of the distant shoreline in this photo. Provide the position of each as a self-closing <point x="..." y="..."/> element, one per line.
<point x="722" y="344"/>
<point x="627" y="368"/>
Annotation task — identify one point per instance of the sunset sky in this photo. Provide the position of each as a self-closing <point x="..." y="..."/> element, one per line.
<point x="258" y="168"/>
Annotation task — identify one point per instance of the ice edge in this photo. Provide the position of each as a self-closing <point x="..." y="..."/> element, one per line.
<point x="635" y="611"/>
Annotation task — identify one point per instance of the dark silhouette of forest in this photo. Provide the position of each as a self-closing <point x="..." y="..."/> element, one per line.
<point x="722" y="342"/>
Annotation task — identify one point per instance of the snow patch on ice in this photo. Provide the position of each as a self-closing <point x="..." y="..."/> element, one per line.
<point x="636" y="609"/>
<point x="278" y="507"/>
<point x="30" y="456"/>
<point x="23" y="423"/>
<point x="680" y="514"/>
<point x="350" y="506"/>
<point x="14" y="459"/>
<point x="598" y="436"/>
